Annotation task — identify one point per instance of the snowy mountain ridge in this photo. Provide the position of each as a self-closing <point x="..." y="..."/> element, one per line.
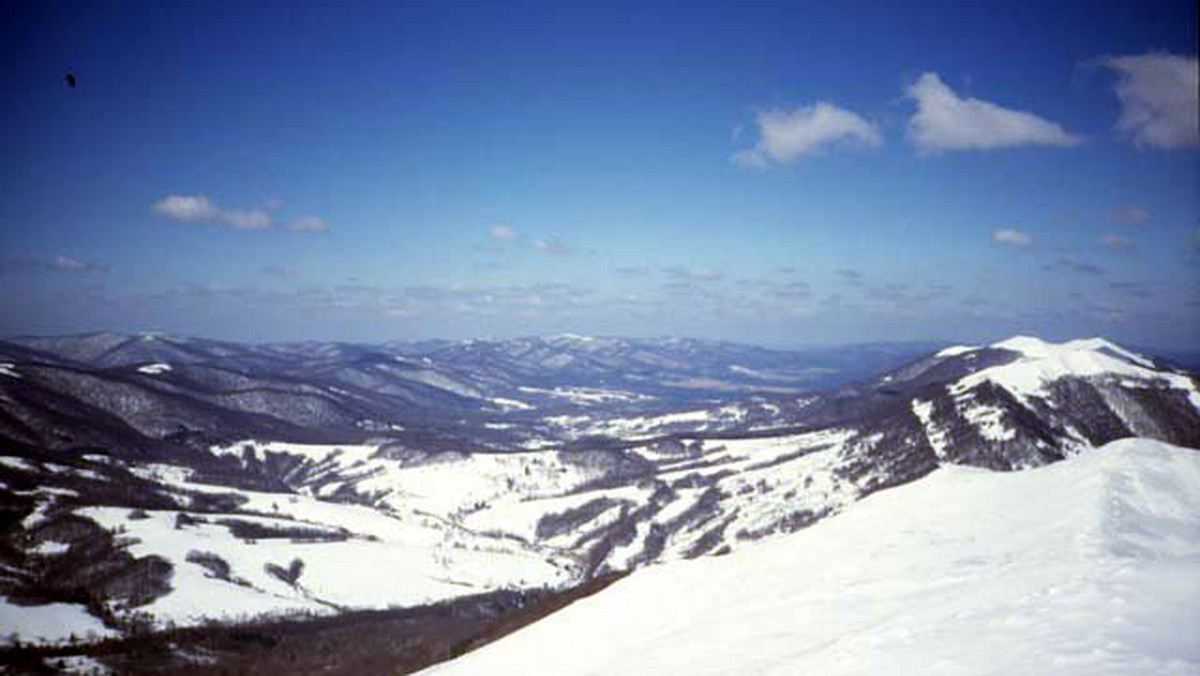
<point x="1042" y="362"/>
<point x="192" y="525"/>
<point x="1083" y="567"/>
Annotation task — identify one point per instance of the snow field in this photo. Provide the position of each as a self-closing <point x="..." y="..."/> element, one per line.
<point x="1082" y="567"/>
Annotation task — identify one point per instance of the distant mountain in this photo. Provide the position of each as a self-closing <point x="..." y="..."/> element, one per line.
<point x="141" y="391"/>
<point x="154" y="479"/>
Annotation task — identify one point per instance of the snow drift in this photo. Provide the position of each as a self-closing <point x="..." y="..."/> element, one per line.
<point x="1087" y="566"/>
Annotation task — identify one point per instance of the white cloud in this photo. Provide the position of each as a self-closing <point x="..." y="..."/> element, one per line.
<point x="502" y="233"/>
<point x="200" y="208"/>
<point x="1117" y="241"/>
<point x="308" y="224"/>
<point x="1011" y="237"/>
<point x="187" y="207"/>
<point x="1158" y="99"/>
<point x="68" y="263"/>
<point x="784" y="136"/>
<point x="944" y="121"/>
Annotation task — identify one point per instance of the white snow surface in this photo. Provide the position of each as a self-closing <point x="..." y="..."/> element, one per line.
<point x="405" y="553"/>
<point x="936" y="435"/>
<point x="955" y="350"/>
<point x="1087" y="566"/>
<point x="587" y="395"/>
<point x="49" y="624"/>
<point x="510" y="404"/>
<point x="154" y="369"/>
<point x="1042" y="362"/>
<point x="8" y="369"/>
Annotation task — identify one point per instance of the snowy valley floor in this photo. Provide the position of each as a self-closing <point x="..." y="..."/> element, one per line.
<point x="1087" y="566"/>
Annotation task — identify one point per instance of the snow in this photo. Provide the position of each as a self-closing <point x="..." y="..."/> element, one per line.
<point x="38" y="514"/>
<point x="955" y="350"/>
<point x="1040" y="349"/>
<point x="407" y="549"/>
<point x="388" y="563"/>
<point x="520" y="518"/>
<point x="644" y="427"/>
<point x="315" y="452"/>
<point x="1040" y="363"/>
<point x="990" y="421"/>
<point x="50" y="623"/>
<point x="50" y="548"/>
<point x="1082" y="567"/>
<point x="510" y="404"/>
<point x="937" y="436"/>
<point x="572" y="337"/>
<point x="587" y="396"/>
<point x="17" y="463"/>
<point x="81" y="664"/>
<point x="9" y="369"/>
<point x="740" y="455"/>
<point x="154" y="369"/>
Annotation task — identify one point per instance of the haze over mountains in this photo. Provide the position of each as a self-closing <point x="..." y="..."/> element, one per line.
<point x="153" y="481"/>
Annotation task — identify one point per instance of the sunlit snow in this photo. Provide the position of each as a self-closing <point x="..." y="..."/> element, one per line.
<point x="1083" y="567"/>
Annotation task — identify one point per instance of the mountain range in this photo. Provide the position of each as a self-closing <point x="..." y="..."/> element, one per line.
<point x="152" y="482"/>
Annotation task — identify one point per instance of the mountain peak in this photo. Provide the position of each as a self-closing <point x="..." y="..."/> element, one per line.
<point x="1041" y="362"/>
<point x="1031" y="347"/>
<point x="1027" y="345"/>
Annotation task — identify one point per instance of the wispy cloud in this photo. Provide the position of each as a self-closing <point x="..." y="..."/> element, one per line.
<point x="945" y="121"/>
<point x="1072" y="265"/>
<point x="252" y="219"/>
<point x="552" y="246"/>
<point x="1158" y="98"/>
<point x="308" y="224"/>
<point x="681" y="273"/>
<point x="1117" y="242"/>
<point x="900" y="298"/>
<point x="61" y="263"/>
<point x="1131" y="215"/>
<point x="784" y="136"/>
<point x="791" y="291"/>
<point x="634" y="270"/>
<point x="1010" y="237"/>
<point x="502" y="233"/>
<point x="850" y="276"/>
<point x="1135" y="289"/>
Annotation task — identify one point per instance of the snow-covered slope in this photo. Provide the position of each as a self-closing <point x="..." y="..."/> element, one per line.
<point x="1024" y="402"/>
<point x="1084" y="567"/>
<point x="1041" y="363"/>
<point x="199" y="526"/>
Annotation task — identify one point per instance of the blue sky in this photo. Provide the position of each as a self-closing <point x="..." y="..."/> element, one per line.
<point x="782" y="174"/>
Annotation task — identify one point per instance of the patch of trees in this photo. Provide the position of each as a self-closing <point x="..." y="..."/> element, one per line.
<point x="289" y="575"/>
